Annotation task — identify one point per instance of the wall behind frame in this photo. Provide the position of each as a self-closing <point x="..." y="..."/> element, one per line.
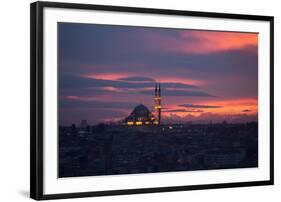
<point x="14" y="104"/>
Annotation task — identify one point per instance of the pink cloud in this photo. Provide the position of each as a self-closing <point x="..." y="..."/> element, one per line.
<point x="72" y="97"/>
<point x="80" y="98"/>
<point x="204" y="42"/>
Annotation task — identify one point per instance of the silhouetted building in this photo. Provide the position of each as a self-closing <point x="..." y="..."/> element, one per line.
<point x="141" y="114"/>
<point x="84" y="126"/>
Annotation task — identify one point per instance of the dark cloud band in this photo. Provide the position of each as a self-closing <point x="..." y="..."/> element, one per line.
<point x="200" y="106"/>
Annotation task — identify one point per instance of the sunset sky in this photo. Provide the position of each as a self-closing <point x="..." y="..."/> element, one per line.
<point x="105" y="71"/>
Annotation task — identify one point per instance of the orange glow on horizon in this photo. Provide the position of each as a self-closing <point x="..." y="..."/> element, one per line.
<point x="227" y="107"/>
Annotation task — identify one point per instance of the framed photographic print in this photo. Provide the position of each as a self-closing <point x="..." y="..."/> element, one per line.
<point x="136" y="100"/>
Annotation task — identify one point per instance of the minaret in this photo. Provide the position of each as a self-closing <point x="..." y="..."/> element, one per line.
<point x="157" y="104"/>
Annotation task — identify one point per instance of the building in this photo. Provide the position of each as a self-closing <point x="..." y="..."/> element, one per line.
<point x="84" y="126"/>
<point x="141" y="114"/>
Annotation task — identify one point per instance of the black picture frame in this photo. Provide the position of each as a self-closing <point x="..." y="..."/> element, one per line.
<point x="36" y="99"/>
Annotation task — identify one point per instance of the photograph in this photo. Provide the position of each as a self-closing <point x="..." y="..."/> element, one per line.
<point x="133" y="100"/>
<point x="140" y="99"/>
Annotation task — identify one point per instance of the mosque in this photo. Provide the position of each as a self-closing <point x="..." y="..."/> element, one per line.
<point x="141" y="114"/>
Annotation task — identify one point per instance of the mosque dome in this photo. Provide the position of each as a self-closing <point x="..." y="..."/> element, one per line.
<point x="141" y="115"/>
<point x="141" y="111"/>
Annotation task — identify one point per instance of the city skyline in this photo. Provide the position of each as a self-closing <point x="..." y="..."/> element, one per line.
<point x="105" y="71"/>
